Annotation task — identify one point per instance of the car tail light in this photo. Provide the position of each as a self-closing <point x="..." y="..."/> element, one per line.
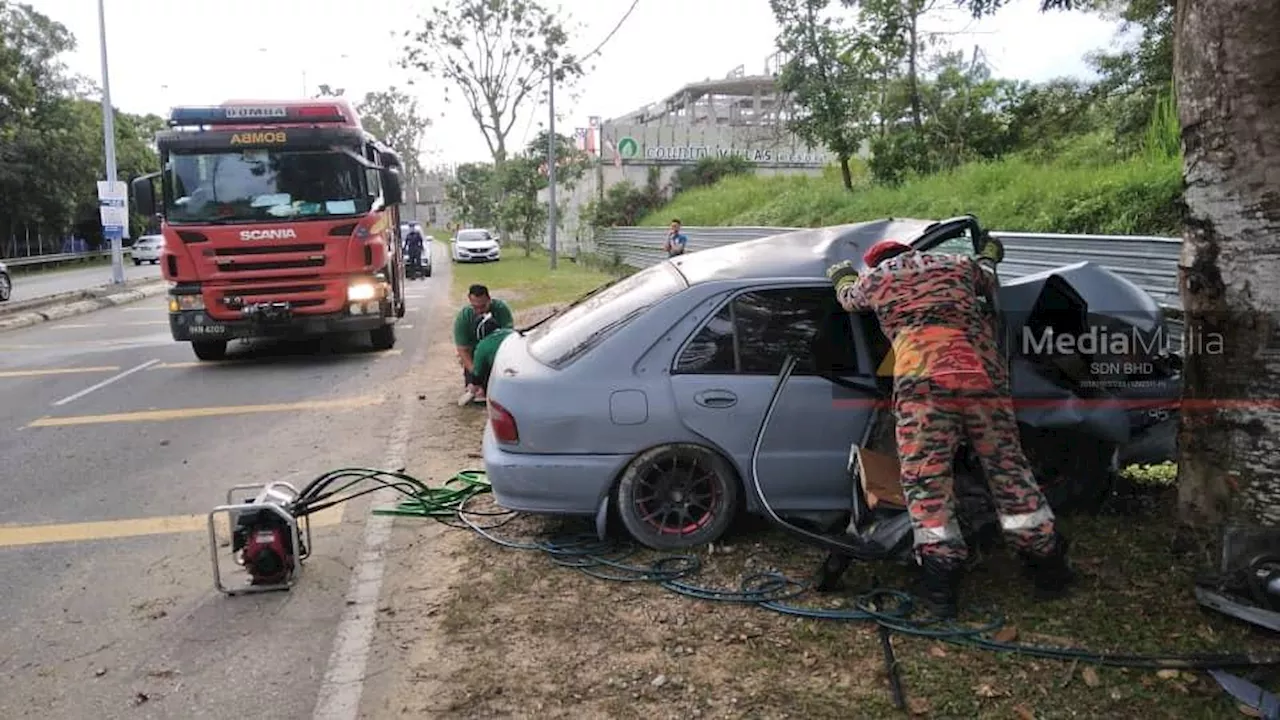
<point x="504" y="425"/>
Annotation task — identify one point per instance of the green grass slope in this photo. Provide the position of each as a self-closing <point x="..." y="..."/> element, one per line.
<point x="1085" y="190"/>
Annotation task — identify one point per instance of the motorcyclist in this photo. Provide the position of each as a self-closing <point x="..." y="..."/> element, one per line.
<point x="413" y="245"/>
<point x="950" y="385"/>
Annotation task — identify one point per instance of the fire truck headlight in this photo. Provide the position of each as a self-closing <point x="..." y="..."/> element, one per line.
<point x="359" y="292"/>
<point x="178" y="303"/>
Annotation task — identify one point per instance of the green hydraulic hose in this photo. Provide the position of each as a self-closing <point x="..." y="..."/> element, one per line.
<point x="768" y="590"/>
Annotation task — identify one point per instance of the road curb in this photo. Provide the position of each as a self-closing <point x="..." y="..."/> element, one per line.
<point x="80" y="302"/>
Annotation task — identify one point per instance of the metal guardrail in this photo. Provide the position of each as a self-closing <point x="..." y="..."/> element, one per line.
<point x="1150" y="262"/>
<point x="53" y="258"/>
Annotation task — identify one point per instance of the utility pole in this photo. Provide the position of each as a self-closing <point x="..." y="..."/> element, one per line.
<point x="551" y="166"/>
<point x="109" y="138"/>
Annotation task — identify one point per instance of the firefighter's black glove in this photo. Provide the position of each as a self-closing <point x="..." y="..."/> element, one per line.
<point x="842" y="274"/>
<point x="992" y="250"/>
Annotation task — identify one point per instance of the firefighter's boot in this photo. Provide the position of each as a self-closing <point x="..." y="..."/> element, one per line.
<point x="1051" y="574"/>
<point x="830" y="576"/>
<point x="939" y="586"/>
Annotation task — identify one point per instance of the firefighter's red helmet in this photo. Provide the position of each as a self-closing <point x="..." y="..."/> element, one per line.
<point x="882" y="250"/>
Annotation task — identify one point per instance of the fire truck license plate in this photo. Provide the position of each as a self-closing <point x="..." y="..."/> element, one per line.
<point x="208" y="329"/>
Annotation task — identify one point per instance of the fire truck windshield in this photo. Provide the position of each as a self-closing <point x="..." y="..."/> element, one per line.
<point x="263" y="185"/>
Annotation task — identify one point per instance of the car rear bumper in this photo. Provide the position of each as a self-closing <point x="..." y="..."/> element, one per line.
<point x="196" y="325"/>
<point x="549" y="484"/>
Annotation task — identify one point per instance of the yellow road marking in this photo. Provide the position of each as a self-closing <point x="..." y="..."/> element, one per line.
<point x="56" y="371"/>
<point x="18" y="535"/>
<point x="188" y="413"/>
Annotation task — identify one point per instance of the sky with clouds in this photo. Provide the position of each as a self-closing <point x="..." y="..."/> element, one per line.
<point x="171" y="52"/>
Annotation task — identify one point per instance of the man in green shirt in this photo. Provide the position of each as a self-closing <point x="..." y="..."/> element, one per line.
<point x="466" y="334"/>
<point x="491" y="337"/>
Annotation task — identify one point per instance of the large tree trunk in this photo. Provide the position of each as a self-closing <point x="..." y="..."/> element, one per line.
<point x="1227" y="68"/>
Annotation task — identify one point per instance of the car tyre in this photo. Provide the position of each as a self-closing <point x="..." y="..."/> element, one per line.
<point x="427" y="273"/>
<point x="675" y="497"/>
<point x="6" y="287"/>
<point x="383" y="338"/>
<point x="209" y="349"/>
<point x="137" y="262"/>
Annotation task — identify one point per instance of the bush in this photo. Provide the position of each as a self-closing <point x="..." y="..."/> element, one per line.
<point x="1088" y="189"/>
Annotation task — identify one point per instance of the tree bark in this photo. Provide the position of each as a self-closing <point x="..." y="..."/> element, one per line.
<point x="1227" y="70"/>
<point x="846" y="175"/>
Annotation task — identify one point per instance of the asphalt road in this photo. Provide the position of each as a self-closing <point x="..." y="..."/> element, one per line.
<point x="114" y="445"/>
<point x="31" y="286"/>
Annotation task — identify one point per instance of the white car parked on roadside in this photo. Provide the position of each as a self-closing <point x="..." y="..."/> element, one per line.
<point x="6" y="283"/>
<point x="147" y="249"/>
<point x="474" y="246"/>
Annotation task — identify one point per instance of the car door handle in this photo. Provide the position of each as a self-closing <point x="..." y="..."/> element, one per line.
<point x="716" y="399"/>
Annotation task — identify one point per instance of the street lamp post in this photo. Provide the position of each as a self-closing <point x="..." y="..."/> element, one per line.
<point x="551" y="166"/>
<point x="109" y="139"/>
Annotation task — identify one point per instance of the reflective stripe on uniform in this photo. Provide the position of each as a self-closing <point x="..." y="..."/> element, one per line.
<point x="948" y="533"/>
<point x="1026" y="521"/>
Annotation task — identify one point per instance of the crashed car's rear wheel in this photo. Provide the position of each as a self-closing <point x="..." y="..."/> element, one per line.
<point x="675" y="497"/>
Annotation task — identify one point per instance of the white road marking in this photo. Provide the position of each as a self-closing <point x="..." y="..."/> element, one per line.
<point x="339" y="696"/>
<point x="106" y="382"/>
<point x="107" y="324"/>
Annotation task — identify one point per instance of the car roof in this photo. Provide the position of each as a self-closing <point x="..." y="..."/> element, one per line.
<point x="797" y="254"/>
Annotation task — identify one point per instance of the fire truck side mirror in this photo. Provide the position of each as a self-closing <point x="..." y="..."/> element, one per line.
<point x="144" y="195"/>
<point x="392" y="191"/>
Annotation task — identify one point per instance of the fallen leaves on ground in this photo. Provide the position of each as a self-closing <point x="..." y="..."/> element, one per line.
<point x="1008" y="633"/>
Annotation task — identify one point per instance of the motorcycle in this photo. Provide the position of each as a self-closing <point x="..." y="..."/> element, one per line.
<point x="1081" y="409"/>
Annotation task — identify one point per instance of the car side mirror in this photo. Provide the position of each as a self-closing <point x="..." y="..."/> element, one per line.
<point x="144" y="195"/>
<point x="392" y="190"/>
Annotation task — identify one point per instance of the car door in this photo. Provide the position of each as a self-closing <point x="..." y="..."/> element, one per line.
<point x="724" y="376"/>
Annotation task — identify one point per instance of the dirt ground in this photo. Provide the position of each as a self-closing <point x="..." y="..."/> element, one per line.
<point x="470" y="629"/>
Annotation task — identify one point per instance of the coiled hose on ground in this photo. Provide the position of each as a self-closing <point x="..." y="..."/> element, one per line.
<point x="892" y="610"/>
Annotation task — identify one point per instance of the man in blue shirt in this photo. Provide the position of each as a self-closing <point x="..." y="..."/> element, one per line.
<point x="676" y="240"/>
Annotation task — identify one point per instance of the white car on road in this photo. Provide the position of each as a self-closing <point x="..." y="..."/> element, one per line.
<point x="474" y="246"/>
<point x="6" y="283"/>
<point x="147" y="249"/>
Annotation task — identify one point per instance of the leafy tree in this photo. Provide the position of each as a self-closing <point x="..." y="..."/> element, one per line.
<point x="517" y="182"/>
<point x="709" y="171"/>
<point x="1226" y="59"/>
<point x="471" y="194"/>
<point x="1136" y="78"/>
<point x="498" y="54"/>
<point x="572" y="164"/>
<point x="827" y="77"/>
<point x="395" y="119"/>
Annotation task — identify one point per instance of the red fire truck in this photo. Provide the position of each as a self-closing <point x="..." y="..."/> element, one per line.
<point x="280" y="219"/>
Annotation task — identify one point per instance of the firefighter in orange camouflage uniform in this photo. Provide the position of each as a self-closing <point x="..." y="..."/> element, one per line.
<point x="951" y="384"/>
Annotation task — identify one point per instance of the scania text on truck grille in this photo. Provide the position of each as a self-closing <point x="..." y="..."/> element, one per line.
<point x="280" y="219"/>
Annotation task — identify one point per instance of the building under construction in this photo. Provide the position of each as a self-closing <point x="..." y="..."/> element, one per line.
<point x="737" y="115"/>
